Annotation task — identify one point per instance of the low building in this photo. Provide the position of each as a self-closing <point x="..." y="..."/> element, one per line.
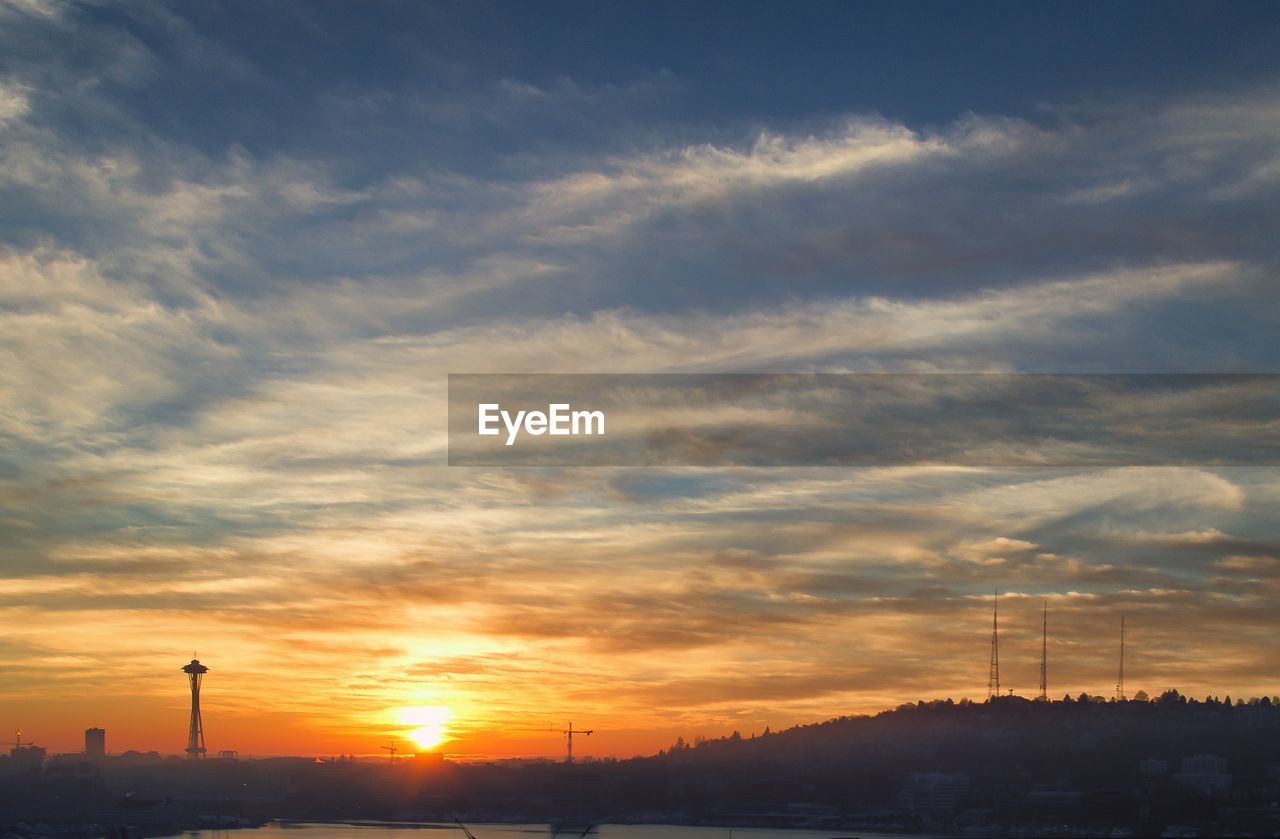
<point x="26" y="760"/>
<point x="1204" y="773"/>
<point x="936" y="796"/>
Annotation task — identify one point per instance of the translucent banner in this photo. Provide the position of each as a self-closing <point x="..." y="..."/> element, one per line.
<point x="863" y="419"/>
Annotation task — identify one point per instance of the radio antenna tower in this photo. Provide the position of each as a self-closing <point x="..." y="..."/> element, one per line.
<point x="1120" y="695"/>
<point x="1044" y="656"/>
<point x="993" y="676"/>
<point x="195" y="730"/>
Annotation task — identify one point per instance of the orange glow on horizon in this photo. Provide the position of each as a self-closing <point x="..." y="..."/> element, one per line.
<point x="430" y="724"/>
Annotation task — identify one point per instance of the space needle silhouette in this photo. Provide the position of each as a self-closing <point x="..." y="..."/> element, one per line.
<point x="195" y="731"/>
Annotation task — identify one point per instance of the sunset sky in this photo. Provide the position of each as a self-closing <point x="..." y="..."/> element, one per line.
<point x="243" y="244"/>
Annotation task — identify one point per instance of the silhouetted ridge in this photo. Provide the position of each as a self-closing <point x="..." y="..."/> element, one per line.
<point x="1072" y="766"/>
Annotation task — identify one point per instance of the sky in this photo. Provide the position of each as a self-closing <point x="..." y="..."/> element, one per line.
<point x="242" y="245"/>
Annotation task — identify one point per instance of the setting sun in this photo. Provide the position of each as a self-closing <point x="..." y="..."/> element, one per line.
<point x="429" y="724"/>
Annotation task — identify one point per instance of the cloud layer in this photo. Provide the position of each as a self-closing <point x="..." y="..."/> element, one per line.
<point x="223" y="415"/>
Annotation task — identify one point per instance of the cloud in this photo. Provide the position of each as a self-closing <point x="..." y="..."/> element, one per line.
<point x="225" y="341"/>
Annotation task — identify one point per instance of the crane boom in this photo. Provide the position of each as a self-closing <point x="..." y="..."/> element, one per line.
<point x="568" y="734"/>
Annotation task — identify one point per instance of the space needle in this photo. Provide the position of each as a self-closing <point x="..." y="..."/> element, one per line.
<point x="195" y="731"/>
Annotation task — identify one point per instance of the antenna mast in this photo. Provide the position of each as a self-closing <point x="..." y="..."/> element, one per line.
<point x="993" y="676"/>
<point x="1044" y="656"/>
<point x="1120" y="695"/>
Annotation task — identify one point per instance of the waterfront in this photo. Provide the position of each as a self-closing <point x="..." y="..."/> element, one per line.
<point x="384" y="830"/>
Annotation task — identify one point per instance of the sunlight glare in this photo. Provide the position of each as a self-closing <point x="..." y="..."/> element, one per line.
<point x="430" y="724"/>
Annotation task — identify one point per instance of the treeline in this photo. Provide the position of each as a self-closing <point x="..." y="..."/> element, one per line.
<point x="1122" y="763"/>
<point x="996" y="708"/>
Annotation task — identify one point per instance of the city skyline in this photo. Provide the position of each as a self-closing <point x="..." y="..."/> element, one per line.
<point x="427" y="729"/>
<point x="242" y="247"/>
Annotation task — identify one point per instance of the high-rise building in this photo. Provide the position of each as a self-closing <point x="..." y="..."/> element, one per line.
<point x="95" y="743"/>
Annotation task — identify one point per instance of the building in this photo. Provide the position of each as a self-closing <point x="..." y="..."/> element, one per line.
<point x="1153" y="767"/>
<point x="1204" y="773"/>
<point x="26" y="759"/>
<point x="933" y="795"/>
<point x="95" y="743"/>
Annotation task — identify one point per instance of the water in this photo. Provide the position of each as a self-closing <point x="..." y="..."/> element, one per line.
<point x="522" y="831"/>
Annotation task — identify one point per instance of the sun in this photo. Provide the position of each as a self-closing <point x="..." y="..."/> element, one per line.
<point x="430" y="724"/>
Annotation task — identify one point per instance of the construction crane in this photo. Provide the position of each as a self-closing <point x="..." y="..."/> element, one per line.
<point x="568" y="735"/>
<point x="567" y="732"/>
<point x="17" y="740"/>
<point x="391" y="751"/>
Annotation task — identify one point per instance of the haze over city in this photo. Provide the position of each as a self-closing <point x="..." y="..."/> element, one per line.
<point x="242" y="246"/>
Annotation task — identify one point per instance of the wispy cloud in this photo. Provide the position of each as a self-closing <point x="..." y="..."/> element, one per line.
<point x="222" y="396"/>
